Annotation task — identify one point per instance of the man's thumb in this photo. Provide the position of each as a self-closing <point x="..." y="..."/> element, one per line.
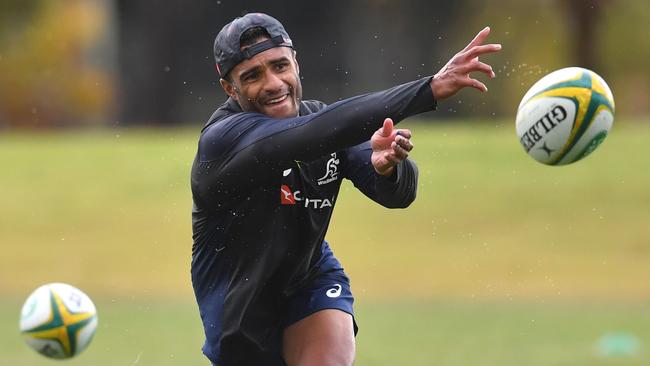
<point x="387" y="129"/>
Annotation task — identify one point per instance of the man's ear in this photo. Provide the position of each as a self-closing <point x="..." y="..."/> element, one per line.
<point x="229" y="88"/>
<point x="295" y="61"/>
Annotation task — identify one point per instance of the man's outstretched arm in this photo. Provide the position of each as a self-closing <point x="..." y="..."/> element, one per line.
<point x="247" y="149"/>
<point x="242" y="151"/>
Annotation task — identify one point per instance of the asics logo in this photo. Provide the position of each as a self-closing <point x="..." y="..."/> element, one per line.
<point x="334" y="291"/>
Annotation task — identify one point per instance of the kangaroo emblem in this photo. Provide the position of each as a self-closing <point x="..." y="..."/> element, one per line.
<point x="331" y="170"/>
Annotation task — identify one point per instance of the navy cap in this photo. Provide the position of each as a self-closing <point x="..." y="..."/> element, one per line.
<point x="227" y="51"/>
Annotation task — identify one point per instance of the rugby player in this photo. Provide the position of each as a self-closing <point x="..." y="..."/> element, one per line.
<point x="265" y="180"/>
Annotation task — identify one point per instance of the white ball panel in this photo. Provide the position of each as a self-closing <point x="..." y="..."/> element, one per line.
<point x="46" y="347"/>
<point x="37" y="309"/>
<point x="74" y="299"/>
<point x="551" y="133"/>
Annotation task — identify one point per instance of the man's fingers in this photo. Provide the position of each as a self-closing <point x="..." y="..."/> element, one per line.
<point x="404" y="143"/>
<point x="480" y="37"/>
<point x="387" y="129"/>
<point x="392" y="158"/>
<point x="477" y="66"/>
<point x="479" y="50"/>
<point x="473" y="83"/>
<point x="477" y="85"/>
<point x="404" y="132"/>
<point x="400" y="152"/>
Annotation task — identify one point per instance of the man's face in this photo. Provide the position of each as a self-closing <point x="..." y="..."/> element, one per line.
<point x="267" y="83"/>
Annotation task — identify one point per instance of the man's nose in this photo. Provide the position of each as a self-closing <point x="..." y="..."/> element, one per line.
<point x="273" y="82"/>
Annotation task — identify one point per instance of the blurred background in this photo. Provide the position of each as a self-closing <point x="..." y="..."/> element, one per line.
<point x="124" y="63"/>
<point x="500" y="261"/>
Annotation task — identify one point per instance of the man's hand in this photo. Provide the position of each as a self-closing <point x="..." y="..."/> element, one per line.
<point x="455" y="74"/>
<point x="389" y="147"/>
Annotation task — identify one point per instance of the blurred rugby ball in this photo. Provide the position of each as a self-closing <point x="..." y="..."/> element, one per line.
<point x="58" y="320"/>
<point x="565" y="116"/>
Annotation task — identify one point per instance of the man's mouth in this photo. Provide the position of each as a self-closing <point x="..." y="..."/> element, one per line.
<point x="276" y="100"/>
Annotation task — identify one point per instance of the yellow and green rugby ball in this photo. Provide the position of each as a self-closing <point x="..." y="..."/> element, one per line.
<point x="565" y="116"/>
<point x="58" y="320"/>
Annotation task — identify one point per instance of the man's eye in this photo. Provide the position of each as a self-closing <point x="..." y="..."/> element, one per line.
<point x="281" y="66"/>
<point x="251" y="77"/>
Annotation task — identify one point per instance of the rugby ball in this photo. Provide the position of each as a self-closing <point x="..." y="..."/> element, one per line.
<point x="565" y="116"/>
<point x="58" y="320"/>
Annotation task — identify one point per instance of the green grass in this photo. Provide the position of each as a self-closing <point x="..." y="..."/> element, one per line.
<point x="130" y="332"/>
<point x="487" y="333"/>
<point x="444" y="333"/>
<point x="500" y="261"/>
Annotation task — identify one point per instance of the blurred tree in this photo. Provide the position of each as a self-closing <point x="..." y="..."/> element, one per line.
<point x="541" y="36"/>
<point x="52" y="74"/>
<point x="388" y="42"/>
<point x="14" y="12"/>
<point x="151" y="42"/>
<point x="167" y="72"/>
<point x="47" y="78"/>
<point x="583" y="19"/>
<point x="623" y="55"/>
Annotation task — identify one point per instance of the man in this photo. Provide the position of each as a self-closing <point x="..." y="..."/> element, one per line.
<point x="265" y="180"/>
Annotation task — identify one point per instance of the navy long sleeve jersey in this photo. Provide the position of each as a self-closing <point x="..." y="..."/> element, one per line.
<point x="264" y="190"/>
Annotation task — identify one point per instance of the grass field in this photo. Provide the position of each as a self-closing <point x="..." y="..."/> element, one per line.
<point x="500" y="261"/>
<point x="433" y="332"/>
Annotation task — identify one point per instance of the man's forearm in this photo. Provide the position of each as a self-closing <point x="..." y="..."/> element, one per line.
<point x="398" y="191"/>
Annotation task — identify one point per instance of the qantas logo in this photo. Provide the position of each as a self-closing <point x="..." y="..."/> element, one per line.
<point x="289" y="197"/>
<point x="331" y="171"/>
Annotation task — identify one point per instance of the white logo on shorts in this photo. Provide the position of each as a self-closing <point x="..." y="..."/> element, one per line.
<point x="334" y="291"/>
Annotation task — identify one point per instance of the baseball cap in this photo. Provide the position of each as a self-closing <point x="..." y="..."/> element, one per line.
<point x="227" y="51"/>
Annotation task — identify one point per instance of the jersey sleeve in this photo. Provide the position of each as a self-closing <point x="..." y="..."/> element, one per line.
<point x="243" y="151"/>
<point x="397" y="191"/>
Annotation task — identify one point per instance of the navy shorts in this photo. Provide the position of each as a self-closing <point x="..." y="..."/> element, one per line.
<point x="330" y="290"/>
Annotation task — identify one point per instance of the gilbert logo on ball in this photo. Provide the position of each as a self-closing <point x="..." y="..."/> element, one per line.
<point x="58" y="320"/>
<point x="565" y="116"/>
